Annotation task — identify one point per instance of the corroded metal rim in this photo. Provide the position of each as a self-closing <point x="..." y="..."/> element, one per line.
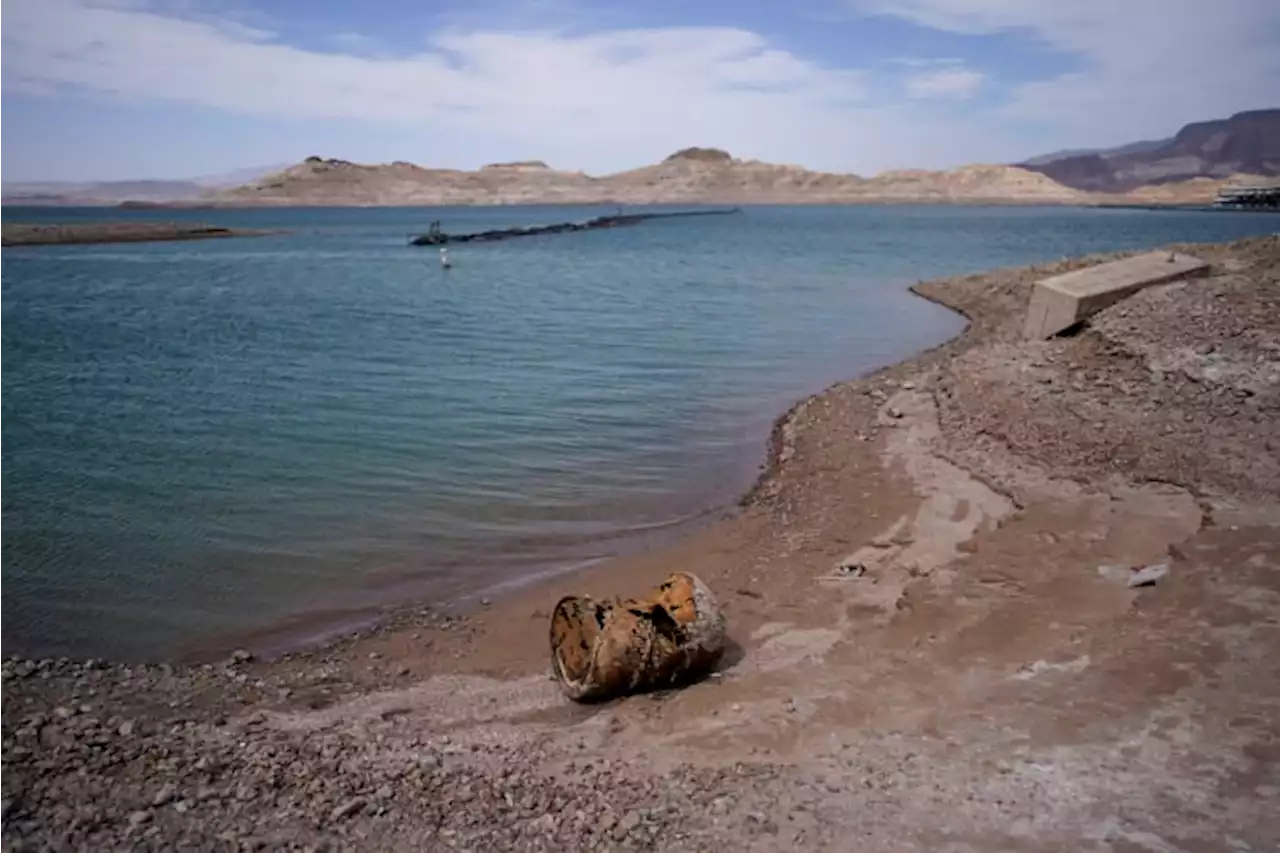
<point x="601" y="650"/>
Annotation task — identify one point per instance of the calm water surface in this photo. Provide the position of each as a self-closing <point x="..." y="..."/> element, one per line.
<point x="207" y="438"/>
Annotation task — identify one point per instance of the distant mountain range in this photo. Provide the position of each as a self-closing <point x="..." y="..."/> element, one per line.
<point x="690" y="176"/>
<point x="114" y="192"/>
<point x="1131" y="148"/>
<point x="1188" y="167"/>
<point x="1246" y="143"/>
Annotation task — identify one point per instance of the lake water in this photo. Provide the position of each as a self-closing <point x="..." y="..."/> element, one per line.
<point x="208" y="438"/>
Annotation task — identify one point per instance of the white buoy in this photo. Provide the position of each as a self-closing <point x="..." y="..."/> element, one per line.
<point x="444" y="258"/>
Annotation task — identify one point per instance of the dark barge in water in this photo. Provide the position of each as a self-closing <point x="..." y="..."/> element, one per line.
<point x="436" y="237"/>
<point x="1264" y="196"/>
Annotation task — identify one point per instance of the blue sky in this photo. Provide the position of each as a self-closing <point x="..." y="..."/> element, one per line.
<point x="117" y="89"/>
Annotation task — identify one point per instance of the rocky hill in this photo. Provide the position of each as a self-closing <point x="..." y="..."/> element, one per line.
<point x="692" y="175"/>
<point x="969" y="183"/>
<point x="1248" y="142"/>
<point x="318" y="181"/>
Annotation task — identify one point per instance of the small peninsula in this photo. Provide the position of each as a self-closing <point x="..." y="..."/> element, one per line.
<point x="26" y="234"/>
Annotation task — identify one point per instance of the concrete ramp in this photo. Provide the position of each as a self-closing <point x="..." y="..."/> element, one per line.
<point x="1060" y="302"/>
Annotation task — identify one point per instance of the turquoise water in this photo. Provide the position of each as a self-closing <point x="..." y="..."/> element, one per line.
<point x="209" y="438"/>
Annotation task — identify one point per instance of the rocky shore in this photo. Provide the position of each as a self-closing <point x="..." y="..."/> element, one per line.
<point x="20" y="234"/>
<point x="936" y="646"/>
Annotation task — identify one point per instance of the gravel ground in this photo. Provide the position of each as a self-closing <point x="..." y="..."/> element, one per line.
<point x="1177" y="384"/>
<point x="101" y="770"/>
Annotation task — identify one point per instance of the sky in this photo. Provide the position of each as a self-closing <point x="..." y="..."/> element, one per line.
<point x="127" y="89"/>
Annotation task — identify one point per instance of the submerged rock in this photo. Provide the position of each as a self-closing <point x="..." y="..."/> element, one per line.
<point x="601" y="650"/>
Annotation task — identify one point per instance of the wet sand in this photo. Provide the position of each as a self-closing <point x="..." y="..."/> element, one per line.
<point x="22" y="234"/>
<point x="934" y="644"/>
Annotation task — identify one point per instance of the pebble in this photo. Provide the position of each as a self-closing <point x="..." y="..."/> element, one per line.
<point x="851" y="569"/>
<point x="908" y="385"/>
<point x="347" y="809"/>
<point x="138" y="818"/>
<point x="126" y="729"/>
<point x="894" y="413"/>
<point x="164" y="795"/>
<point x="1148" y="575"/>
<point x="629" y="823"/>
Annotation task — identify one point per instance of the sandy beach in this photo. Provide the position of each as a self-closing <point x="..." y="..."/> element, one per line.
<point x="935" y="644"/>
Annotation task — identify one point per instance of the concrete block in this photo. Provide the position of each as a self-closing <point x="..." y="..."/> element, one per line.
<point x="1060" y="302"/>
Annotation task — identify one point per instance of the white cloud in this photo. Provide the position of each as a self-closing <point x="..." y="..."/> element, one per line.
<point x="18" y="84"/>
<point x="957" y="82"/>
<point x="925" y="61"/>
<point x="354" y="42"/>
<point x="618" y="97"/>
<point x="1141" y="67"/>
<point x="704" y="85"/>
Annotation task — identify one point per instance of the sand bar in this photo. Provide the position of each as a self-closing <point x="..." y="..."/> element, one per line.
<point x="27" y="234"/>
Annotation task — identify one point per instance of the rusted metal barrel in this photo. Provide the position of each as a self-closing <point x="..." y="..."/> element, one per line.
<point x="601" y="650"/>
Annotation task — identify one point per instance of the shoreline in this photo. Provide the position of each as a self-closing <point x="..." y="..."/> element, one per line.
<point x="925" y="640"/>
<point x="1194" y="207"/>
<point x="889" y="201"/>
<point x="314" y="630"/>
<point x="330" y="627"/>
<point x="779" y="449"/>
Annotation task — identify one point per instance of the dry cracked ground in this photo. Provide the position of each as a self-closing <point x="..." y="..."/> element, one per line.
<point x="937" y="646"/>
